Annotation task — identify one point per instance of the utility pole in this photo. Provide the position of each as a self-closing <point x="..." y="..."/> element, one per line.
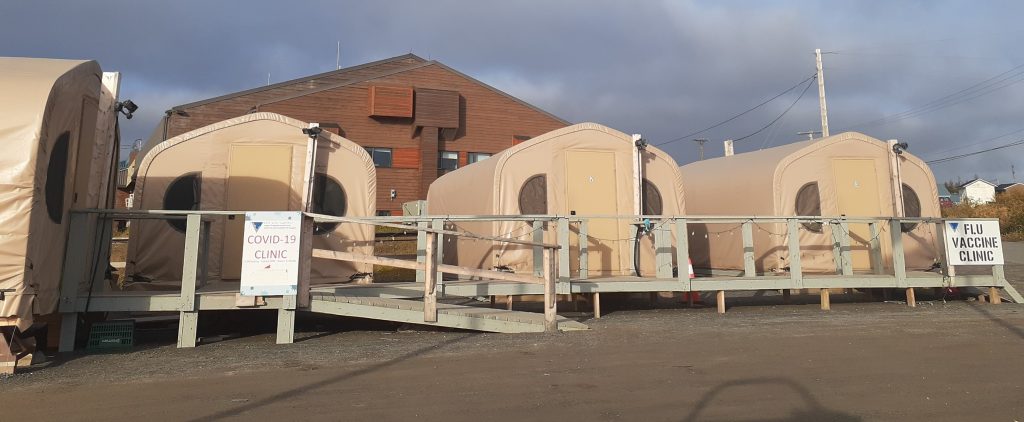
<point x="701" y="142"/>
<point x="1013" y="173"/>
<point x="809" y="133"/>
<point x="821" y="94"/>
<point x="337" y="60"/>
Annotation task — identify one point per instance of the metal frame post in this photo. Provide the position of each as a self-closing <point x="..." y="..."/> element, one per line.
<point x="438" y="224"/>
<point x="749" y="267"/>
<point x="421" y="247"/>
<point x="188" y="319"/>
<point x="844" y="248"/>
<point x="584" y="249"/>
<point x="563" y="256"/>
<point x="663" y="250"/>
<point x="875" y="245"/>
<point x="74" y="267"/>
<point x="538" y="252"/>
<point x="683" y="253"/>
<point x="796" y="273"/>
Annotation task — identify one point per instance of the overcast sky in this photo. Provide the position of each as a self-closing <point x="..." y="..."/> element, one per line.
<point x="661" y="68"/>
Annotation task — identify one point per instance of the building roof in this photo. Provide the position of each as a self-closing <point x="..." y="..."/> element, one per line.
<point x="977" y="181"/>
<point x="415" y="62"/>
<point x="1006" y="186"/>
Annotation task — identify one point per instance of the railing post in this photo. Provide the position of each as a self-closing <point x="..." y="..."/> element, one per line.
<point x="584" y="249"/>
<point x="550" y="296"/>
<point x="430" y="280"/>
<point x="188" y="319"/>
<point x="683" y="253"/>
<point x="663" y="250"/>
<point x="438" y="224"/>
<point x="899" y="263"/>
<point x="948" y="270"/>
<point x="538" y="252"/>
<point x="74" y="267"/>
<point x="844" y="248"/>
<point x="796" y="273"/>
<point x="563" y="256"/>
<point x="875" y="245"/>
<point x="421" y="247"/>
<point x="837" y="249"/>
<point x="749" y="268"/>
<point x="301" y="298"/>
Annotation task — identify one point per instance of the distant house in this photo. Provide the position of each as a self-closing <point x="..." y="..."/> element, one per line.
<point x="947" y="199"/>
<point x="1010" y="187"/>
<point x="978" y="191"/>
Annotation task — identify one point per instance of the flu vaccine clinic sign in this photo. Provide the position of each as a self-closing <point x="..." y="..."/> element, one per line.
<point x="270" y="253"/>
<point x="973" y="243"/>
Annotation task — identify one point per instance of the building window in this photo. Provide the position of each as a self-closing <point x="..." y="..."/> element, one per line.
<point x="478" y="156"/>
<point x="448" y="160"/>
<point x="329" y="199"/>
<point x="651" y="199"/>
<point x="183" y="195"/>
<point x="533" y="196"/>
<point x="381" y="156"/>
<point x="56" y="178"/>
<point x="808" y="203"/>
<point x="911" y="208"/>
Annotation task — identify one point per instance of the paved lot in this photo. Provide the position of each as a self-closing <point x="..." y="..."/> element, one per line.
<point x="862" y="361"/>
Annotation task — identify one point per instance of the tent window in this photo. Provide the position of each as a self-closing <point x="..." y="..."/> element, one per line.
<point x="183" y="195"/>
<point x="911" y="207"/>
<point x="808" y="203"/>
<point x="533" y="197"/>
<point x="56" y="175"/>
<point x="328" y="198"/>
<point x="651" y="199"/>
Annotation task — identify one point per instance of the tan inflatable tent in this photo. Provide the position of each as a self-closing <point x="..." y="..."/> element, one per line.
<point x="847" y="174"/>
<point x="586" y="169"/>
<point x="52" y="162"/>
<point x="256" y="162"/>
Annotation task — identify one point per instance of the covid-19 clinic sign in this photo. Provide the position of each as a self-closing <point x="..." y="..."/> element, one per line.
<point x="270" y="253"/>
<point x="973" y="243"/>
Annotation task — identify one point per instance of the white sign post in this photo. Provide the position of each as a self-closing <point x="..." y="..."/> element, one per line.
<point x="270" y="253"/>
<point x="973" y="243"/>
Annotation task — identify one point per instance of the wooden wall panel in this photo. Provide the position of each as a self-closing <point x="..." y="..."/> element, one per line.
<point x="406" y="158"/>
<point x="437" y="108"/>
<point x="390" y="101"/>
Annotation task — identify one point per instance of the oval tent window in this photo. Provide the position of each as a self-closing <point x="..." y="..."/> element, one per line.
<point x="328" y="198"/>
<point x="56" y="178"/>
<point x="911" y="207"/>
<point x="808" y="203"/>
<point x="652" y="199"/>
<point x="533" y="196"/>
<point x="183" y="195"/>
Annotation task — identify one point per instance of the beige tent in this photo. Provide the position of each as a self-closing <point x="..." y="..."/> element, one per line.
<point x="586" y="170"/>
<point x="257" y="162"/>
<point x="847" y="174"/>
<point x="52" y="162"/>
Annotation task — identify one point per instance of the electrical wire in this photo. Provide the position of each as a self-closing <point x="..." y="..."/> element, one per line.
<point x="957" y="157"/>
<point x="687" y="136"/>
<point x="809" y="83"/>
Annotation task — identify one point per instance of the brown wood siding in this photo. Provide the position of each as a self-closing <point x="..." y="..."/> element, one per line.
<point x="405" y="158"/>
<point x="489" y="122"/>
<point x="390" y="101"/>
<point x="437" y="108"/>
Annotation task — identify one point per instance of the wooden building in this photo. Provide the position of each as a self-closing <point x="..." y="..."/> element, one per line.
<point x="417" y="118"/>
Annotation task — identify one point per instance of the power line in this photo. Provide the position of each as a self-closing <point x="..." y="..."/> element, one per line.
<point x="809" y="83"/>
<point x="975" y="143"/>
<point x="956" y="157"/>
<point x="687" y="136"/>
<point x="976" y="90"/>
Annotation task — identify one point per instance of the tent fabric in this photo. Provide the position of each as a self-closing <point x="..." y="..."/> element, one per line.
<point x="155" y="250"/>
<point x="492" y="187"/>
<point x="769" y="182"/>
<point x="47" y="105"/>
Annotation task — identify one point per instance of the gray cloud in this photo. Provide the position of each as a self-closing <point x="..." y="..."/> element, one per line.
<point x="659" y="68"/>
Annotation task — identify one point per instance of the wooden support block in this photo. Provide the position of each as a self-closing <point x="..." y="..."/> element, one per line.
<point x="911" y="300"/>
<point x="826" y="301"/>
<point x="8" y="361"/>
<point x="720" y="298"/>
<point x="597" y="304"/>
<point x="508" y="302"/>
<point x="993" y="296"/>
<point x="492" y="301"/>
<point x="786" y="296"/>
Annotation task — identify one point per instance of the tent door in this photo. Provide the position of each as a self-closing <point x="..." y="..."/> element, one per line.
<point x="857" y="195"/>
<point x="591" y="190"/>
<point x="259" y="179"/>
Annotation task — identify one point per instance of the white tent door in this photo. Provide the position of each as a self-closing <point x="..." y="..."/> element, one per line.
<point x="259" y="179"/>
<point x="591" y="190"/>
<point x="857" y="195"/>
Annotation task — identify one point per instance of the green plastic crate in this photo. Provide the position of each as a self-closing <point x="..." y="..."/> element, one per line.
<point x="111" y="335"/>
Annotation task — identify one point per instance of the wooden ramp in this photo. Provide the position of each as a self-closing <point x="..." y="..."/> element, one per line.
<point x="451" y="316"/>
